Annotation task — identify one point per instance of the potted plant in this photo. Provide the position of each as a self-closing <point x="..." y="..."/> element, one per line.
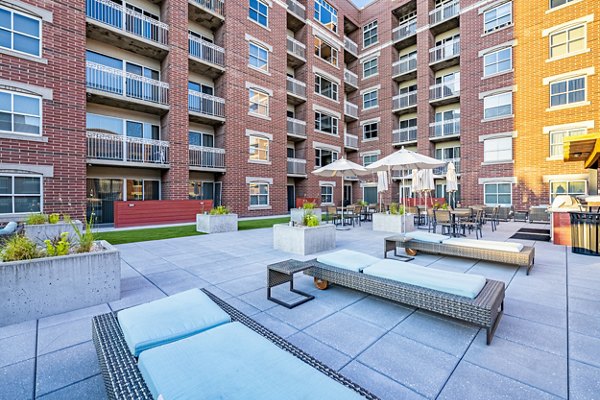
<point x="60" y="275"/>
<point x="219" y="219"/>
<point x="306" y="237"/>
<point x="40" y="227"/>
<point x="394" y="220"/>
<point x="297" y="214"/>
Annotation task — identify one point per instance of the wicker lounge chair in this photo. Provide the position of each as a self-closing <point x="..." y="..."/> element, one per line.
<point x="123" y="379"/>
<point x="539" y="214"/>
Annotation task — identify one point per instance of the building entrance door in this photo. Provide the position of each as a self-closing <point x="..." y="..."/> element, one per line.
<point x="291" y="196"/>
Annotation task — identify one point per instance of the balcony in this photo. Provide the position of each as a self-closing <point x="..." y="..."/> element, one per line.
<point x="443" y="170"/>
<point x="401" y="174"/>
<point x="118" y="88"/>
<point x="405" y="34"/>
<point x="296" y="52"/>
<point x="351" y="48"/>
<point x="206" y="109"/>
<point x="350" y="81"/>
<point x="296" y="15"/>
<point x="296" y="128"/>
<point x="208" y="13"/>
<point x="296" y="167"/>
<point x="404" y="136"/>
<point x="111" y="149"/>
<point x="206" y="58"/>
<point x="296" y="91"/>
<point x="404" y="102"/>
<point x="350" y="111"/>
<point x="350" y="141"/>
<point x="445" y="55"/>
<point x="444" y="93"/>
<point x="442" y="130"/>
<point x="130" y="30"/>
<point x="444" y="18"/>
<point x="405" y="69"/>
<point x="209" y="159"/>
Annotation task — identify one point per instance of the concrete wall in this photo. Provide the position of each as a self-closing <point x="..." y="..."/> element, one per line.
<point x="303" y="240"/>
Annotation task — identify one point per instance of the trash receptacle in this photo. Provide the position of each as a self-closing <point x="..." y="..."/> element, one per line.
<point x="585" y="233"/>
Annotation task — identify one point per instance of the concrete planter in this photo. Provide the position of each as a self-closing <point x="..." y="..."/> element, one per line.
<point x="297" y="214"/>
<point x="39" y="233"/>
<point x="392" y="223"/>
<point x="216" y="223"/>
<point x="303" y="240"/>
<point x="53" y="285"/>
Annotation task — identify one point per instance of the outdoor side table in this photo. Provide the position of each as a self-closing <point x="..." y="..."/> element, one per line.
<point x="390" y="244"/>
<point x="283" y="272"/>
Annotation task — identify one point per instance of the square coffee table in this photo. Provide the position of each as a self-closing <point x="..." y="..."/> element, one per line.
<point x="283" y="272"/>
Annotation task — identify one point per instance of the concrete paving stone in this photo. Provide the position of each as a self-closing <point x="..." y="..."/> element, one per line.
<point x="345" y="333"/>
<point x="585" y="324"/>
<point x="322" y="352"/>
<point x="584" y="306"/>
<point x="220" y="293"/>
<point x="497" y="272"/>
<point x="56" y="337"/>
<point x="529" y="333"/>
<point x="88" y="389"/>
<point x="578" y="283"/>
<point x="242" y="306"/>
<point x="383" y="313"/>
<point x="17" y="329"/>
<point x="134" y="283"/>
<point x="176" y="281"/>
<point x="303" y="315"/>
<point x="378" y="384"/>
<point x="338" y="297"/>
<point x="416" y="366"/>
<point x="538" y="296"/>
<point x="587" y="293"/>
<point x="244" y="284"/>
<point x="584" y="348"/>
<point x="537" y="368"/>
<point x="154" y="265"/>
<point x="87" y="312"/>
<point x="16" y="381"/>
<point x="459" y="261"/>
<point x="584" y="382"/>
<point x="535" y="312"/>
<point x="472" y="382"/>
<point x="460" y="268"/>
<point x="438" y="332"/>
<point x="17" y="348"/>
<point x="135" y="297"/>
<point x="258" y="299"/>
<point x="279" y="327"/>
<point x="65" y="367"/>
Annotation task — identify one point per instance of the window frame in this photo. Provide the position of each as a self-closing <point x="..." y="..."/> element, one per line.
<point x="319" y="4"/>
<point x="12" y="113"/>
<point x="256" y="149"/>
<point x="567" y="132"/>
<point x="371" y="157"/>
<point x="568" y="91"/>
<point x="497" y="61"/>
<point x="330" y="195"/>
<point x="498" y="193"/>
<point x="568" y="41"/>
<point x="318" y="51"/>
<point x="497" y="27"/>
<point x="258" y="104"/>
<point x="493" y="96"/>
<point x="487" y="153"/>
<point x="568" y="183"/>
<point x="335" y="88"/>
<point x="376" y="131"/>
<point x="258" y="13"/>
<point x="371" y="100"/>
<point x="564" y="4"/>
<point x="370" y="67"/>
<point x="11" y="32"/>
<point x="258" y="195"/>
<point x="319" y="156"/>
<point x="368" y="30"/>
<point x="259" y="48"/>
<point x="12" y="195"/>
<point x="334" y="126"/>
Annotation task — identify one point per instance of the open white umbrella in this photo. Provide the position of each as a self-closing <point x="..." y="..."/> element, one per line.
<point x="452" y="182"/>
<point x="342" y="168"/>
<point x="382" y="184"/>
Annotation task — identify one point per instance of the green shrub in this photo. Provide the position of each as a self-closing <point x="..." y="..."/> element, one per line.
<point x="309" y="205"/>
<point x="362" y="203"/>
<point x="310" y="220"/>
<point x="444" y="206"/>
<point x="53" y="218"/>
<point x="396" y="209"/>
<point x="219" y="210"/>
<point x="86" y="238"/>
<point x="36" y="219"/>
<point x="19" y="248"/>
<point x="59" y="246"/>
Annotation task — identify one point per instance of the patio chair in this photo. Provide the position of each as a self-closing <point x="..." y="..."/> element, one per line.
<point x="444" y="219"/>
<point x="505" y="213"/>
<point x="475" y="224"/>
<point x="492" y="217"/>
<point x="538" y="214"/>
<point x="431" y="221"/>
<point x="332" y="215"/>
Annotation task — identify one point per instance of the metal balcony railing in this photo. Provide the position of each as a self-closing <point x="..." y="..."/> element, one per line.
<point x="117" y="81"/>
<point x="406" y="29"/>
<point x="404" y="100"/>
<point x="206" y="157"/>
<point x="112" y="147"/>
<point x="206" y="104"/>
<point x="296" y="48"/>
<point x="296" y="127"/>
<point x="442" y="129"/>
<point x="404" y="66"/>
<point x="206" y="51"/>
<point x="113" y="14"/>
<point x="444" y="51"/>
<point x="216" y="6"/>
<point x="404" y="135"/>
<point x="444" y="13"/>
<point x="350" y="109"/>
<point x="444" y="90"/>
<point x="296" y="166"/>
<point x="350" y="141"/>
<point x="296" y="87"/>
<point x="350" y="78"/>
<point x="443" y="170"/>
<point x="350" y="45"/>
<point x="297" y="9"/>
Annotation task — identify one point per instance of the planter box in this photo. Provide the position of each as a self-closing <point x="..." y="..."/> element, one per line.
<point x="298" y="213"/>
<point x="53" y="285"/>
<point x="392" y="223"/>
<point x="39" y="233"/>
<point x="216" y="223"/>
<point x="303" y="240"/>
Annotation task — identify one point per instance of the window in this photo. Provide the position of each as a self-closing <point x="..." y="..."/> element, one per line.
<point x="558" y="3"/>
<point x="567" y="92"/>
<point x="259" y="57"/>
<point x="259" y="148"/>
<point x="259" y="102"/>
<point x="327" y="194"/>
<point x="573" y="188"/>
<point x="447" y="123"/>
<point x="326" y="123"/>
<point x="497" y="105"/>
<point x="201" y="190"/>
<point x="497" y="62"/>
<point x="143" y="189"/>
<point x="324" y="157"/>
<point x="556" y="140"/>
<point x="370" y="34"/>
<point x="20" y="113"/>
<point x="370" y="99"/>
<point x="259" y="12"/>
<point x="201" y="139"/>
<point x="325" y="87"/>
<point x="497" y="17"/>
<point x="325" y="51"/>
<point x="20" y="32"/>
<point x="370" y="131"/>
<point x="448" y="153"/>
<point x="369" y="159"/>
<point x="20" y="194"/>
<point x="568" y="41"/>
<point x="496" y="194"/>
<point x="259" y="194"/>
<point x="326" y="14"/>
<point x="497" y="149"/>
<point x="370" y="67"/>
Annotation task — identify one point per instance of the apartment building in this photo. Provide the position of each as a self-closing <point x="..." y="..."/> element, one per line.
<point x="238" y="101"/>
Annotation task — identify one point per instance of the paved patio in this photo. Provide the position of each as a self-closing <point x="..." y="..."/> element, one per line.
<point x="547" y="345"/>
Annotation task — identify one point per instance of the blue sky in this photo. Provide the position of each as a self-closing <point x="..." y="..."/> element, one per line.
<point x="361" y="3"/>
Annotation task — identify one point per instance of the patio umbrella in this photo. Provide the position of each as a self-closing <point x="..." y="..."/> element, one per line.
<point x="344" y="169"/>
<point x="382" y="184"/>
<point x="451" y="182"/>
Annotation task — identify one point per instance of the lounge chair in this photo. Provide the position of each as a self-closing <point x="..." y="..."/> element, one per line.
<point x="8" y="231"/>
<point x="539" y="214"/>
<point x="195" y="345"/>
<point x="466" y="297"/>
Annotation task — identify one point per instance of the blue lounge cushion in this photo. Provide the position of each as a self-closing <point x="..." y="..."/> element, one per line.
<point x="486" y="244"/>
<point x="232" y="361"/>
<point x="9" y="229"/>
<point x="459" y="284"/>
<point x="427" y="237"/>
<point x="169" y="319"/>
<point x="348" y="259"/>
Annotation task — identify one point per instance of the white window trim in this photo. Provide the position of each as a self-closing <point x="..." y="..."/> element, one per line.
<point x="549" y="10"/>
<point x="493" y="7"/>
<point x="259" y="115"/>
<point x="337" y="16"/>
<point x="12" y="195"/>
<point x="499" y="161"/>
<point x="498" y="183"/>
<point x="566" y="29"/>
<point x="268" y="151"/>
<point x="585" y="102"/>
<point x="333" y="47"/>
<point x="511" y="69"/>
<point x="331" y="116"/>
<point x="363" y="139"/>
<point x="326" y="75"/>
<point x="567" y="181"/>
<point x="363" y="100"/>
<point x="376" y="22"/>
<point x="259" y="45"/>
<point x="269" y="5"/>
<point x="41" y="116"/>
<point x="566" y="127"/>
<point x="321" y="76"/>
<point x="30" y="15"/>
<point x="512" y="103"/>
<point x="325" y="110"/>
<point x="364" y="63"/>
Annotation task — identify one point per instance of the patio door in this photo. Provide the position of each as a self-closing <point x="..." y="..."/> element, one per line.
<point x="370" y="194"/>
<point x="347" y="194"/>
<point x="291" y="197"/>
<point x="102" y="193"/>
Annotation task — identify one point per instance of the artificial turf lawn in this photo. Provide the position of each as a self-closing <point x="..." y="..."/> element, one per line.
<point x="169" y="232"/>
